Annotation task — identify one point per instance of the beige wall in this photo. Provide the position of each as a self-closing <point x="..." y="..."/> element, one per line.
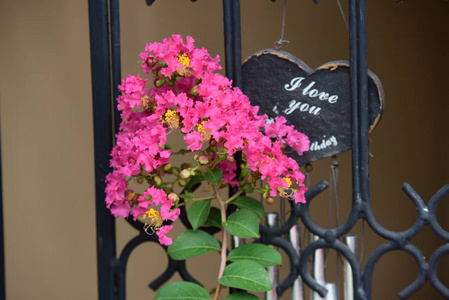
<point x="47" y="142"/>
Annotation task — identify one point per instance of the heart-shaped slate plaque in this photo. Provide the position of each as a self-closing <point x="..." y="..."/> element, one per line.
<point x="317" y="102"/>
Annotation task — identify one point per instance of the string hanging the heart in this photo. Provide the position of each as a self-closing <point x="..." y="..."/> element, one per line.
<point x="278" y="44"/>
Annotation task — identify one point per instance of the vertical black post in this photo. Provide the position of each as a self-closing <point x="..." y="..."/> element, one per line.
<point x="363" y="99"/>
<point x="359" y="113"/>
<point x="359" y="99"/>
<point x="233" y="54"/>
<point x="354" y="104"/>
<point x="103" y="135"/>
<point x="2" y="243"/>
<point x="233" y="41"/>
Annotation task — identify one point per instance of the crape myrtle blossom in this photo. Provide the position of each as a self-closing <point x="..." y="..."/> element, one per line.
<point x="216" y="121"/>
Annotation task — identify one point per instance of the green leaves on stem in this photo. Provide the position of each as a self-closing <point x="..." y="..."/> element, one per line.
<point x="247" y="270"/>
<point x="251" y="204"/>
<point x="247" y="275"/>
<point x="242" y="223"/>
<point x="181" y="290"/>
<point x="198" y="213"/>
<point x="192" y="243"/>
<point x="263" y="254"/>
<point x="214" y="218"/>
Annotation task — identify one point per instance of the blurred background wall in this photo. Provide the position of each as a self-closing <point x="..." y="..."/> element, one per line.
<point x="47" y="140"/>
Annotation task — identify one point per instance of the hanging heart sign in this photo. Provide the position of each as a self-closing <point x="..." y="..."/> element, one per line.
<point x="317" y="103"/>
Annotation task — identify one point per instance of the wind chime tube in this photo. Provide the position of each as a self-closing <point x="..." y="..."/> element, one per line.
<point x="351" y="241"/>
<point x="331" y="291"/>
<point x="273" y="271"/>
<point x="297" y="291"/>
<point x="318" y="268"/>
<point x="319" y="271"/>
<point x="237" y="241"/>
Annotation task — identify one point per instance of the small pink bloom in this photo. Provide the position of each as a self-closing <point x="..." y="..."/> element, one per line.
<point x="194" y="140"/>
<point x="162" y="234"/>
<point x="120" y="209"/>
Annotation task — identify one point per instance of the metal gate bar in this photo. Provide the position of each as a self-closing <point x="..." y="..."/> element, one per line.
<point x="103" y="141"/>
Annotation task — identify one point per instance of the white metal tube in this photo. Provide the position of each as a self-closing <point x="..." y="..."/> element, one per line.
<point x="297" y="290"/>
<point x="273" y="271"/>
<point x="351" y="241"/>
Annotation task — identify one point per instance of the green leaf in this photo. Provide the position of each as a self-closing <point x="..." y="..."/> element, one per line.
<point x="187" y="196"/>
<point x="195" y="179"/>
<point x="250" y="203"/>
<point x="247" y="188"/>
<point x="263" y="254"/>
<point x="198" y="212"/>
<point x="242" y="296"/>
<point x="242" y="223"/>
<point x="246" y="275"/>
<point x="181" y="290"/>
<point x="192" y="243"/>
<point x="214" y="176"/>
<point x="214" y="218"/>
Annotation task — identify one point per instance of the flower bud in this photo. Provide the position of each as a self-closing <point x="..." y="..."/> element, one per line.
<point x="167" y="167"/>
<point x="230" y="158"/>
<point x="182" y="182"/>
<point x="157" y="180"/>
<point x="203" y="159"/>
<point x="194" y="91"/>
<point x="269" y="200"/>
<point x="139" y="179"/>
<point x="159" y="82"/>
<point x="212" y="142"/>
<point x="173" y="198"/>
<point x="249" y="179"/>
<point x="185" y="174"/>
<point x="150" y="62"/>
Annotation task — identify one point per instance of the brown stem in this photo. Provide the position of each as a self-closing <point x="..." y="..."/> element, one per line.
<point x="233" y="197"/>
<point x="224" y="243"/>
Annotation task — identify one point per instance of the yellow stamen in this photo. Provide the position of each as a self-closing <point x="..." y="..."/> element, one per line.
<point x="289" y="181"/>
<point x="155" y="221"/>
<point x="205" y="133"/>
<point x="170" y="115"/>
<point x="145" y="100"/>
<point x="152" y="213"/>
<point x="200" y="127"/>
<point x="184" y="59"/>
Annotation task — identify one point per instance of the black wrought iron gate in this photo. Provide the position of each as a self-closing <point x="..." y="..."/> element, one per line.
<point x="105" y="57"/>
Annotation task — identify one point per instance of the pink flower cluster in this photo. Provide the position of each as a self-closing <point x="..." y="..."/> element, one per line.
<point x="187" y="95"/>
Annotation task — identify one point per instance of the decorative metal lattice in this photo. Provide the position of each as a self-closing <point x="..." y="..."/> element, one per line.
<point x="105" y="55"/>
